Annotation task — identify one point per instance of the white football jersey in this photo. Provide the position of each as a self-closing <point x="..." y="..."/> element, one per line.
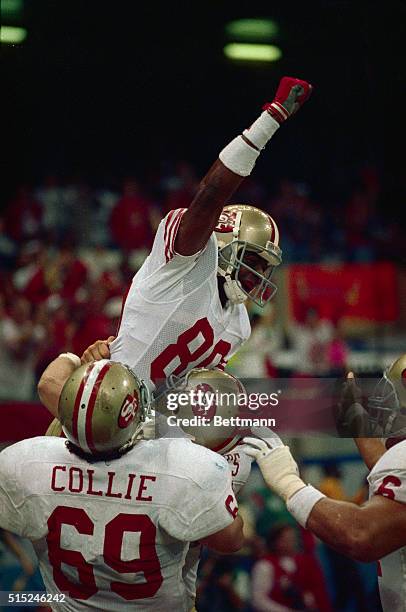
<point x="388" y="478"/>
<point x="240" y="468"/>
<point x="173" y="320"/>
<point x="114" y="535"/>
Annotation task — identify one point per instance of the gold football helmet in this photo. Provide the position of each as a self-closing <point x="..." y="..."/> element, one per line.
<point x="244" y="229"/>
<point x="209" y="394"/>
<point x="102" y="407"/>
<point x="387" y="406"/>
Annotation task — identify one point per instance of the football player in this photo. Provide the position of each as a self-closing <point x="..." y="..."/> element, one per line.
<point x="109" y="513"/>
<point x="184" y="308"/>
<point x="375" y="531"/>
<point x="222" y="396"/>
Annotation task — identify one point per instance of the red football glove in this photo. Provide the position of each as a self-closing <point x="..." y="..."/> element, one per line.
<point x="290" y="96"/>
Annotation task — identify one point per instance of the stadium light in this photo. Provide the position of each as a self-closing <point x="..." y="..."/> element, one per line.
<point x="12" y="35"/>
<point x="254" y="30"/>
<point x="252" y="52"/>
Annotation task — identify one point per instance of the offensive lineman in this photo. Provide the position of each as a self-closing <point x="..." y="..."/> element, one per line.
<point x="110" y="514"/>
<point x="375" y="531"/>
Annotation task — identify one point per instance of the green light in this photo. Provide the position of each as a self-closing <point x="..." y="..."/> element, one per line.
<point x="12" y="35"/>
<point x="252" y="29"/>
<point x="252" y="53"/>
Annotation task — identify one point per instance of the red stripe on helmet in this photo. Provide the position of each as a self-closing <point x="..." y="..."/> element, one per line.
<point x="91" y="405"/>
<point x="77" y="402"/>
<point x="224" y="444"/>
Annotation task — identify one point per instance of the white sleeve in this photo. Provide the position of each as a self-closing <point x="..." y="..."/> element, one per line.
<point x="202" y="508"/>
<point x="388" y="476"/>
<point x="11" y="500"/>
<point x="240" y="468"/>
<point x="163" y="249"/>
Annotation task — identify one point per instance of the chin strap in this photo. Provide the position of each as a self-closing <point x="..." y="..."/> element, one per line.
<point x="232" y="288"/>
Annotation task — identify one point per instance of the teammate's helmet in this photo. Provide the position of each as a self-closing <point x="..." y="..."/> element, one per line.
<point x="241" y="229"/>
<point x="387" y="406"/>
<point x="102" y="407"/>
<point x="207" y="394"/>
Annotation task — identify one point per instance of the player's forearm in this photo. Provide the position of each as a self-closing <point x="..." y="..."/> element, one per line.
<point x="203" y="214"/>
<point x="53" y="379"/>
<point x="342" y="526"/>
<point x="371" y="449"/>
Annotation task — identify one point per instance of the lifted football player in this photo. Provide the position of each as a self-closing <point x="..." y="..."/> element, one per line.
<point x="185" y="308"/>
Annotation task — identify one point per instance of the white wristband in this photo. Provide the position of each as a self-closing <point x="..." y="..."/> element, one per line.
<point x="261" y="130"/>
<point x="239" y="157"/>
<point x="73" y="358"/>
<point x="302" y="503"/>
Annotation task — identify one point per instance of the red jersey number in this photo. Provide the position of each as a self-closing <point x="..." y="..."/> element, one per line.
<point x="385" y="488"/>
<point x="181" y="354"/>
<point x="148" y="561"/>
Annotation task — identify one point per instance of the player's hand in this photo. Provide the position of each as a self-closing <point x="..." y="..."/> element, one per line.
<point x="291" y="94"/>
<point x="98" y="350"/>
<point x="276" y="463"/>
<point x="350" y="394"/>
<point x="268" y="436"/>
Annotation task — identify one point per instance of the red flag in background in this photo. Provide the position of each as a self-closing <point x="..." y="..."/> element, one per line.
<point x="353" y="292"/>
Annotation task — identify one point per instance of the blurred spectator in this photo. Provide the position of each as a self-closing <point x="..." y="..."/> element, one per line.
<point x="63" y="274"/>
<point x="284" y="579"/>
<point x="20" y="339"/>
<point x="23" y="216"/>
<point x="337" y="354"/>
<point x="310" y="340"/>
<point x="130" y="220"/>
<point x="216" y="591"/>
<point x="8" y="248"/>
<point x="331" y="484"/>
<point x="255" y="358"/>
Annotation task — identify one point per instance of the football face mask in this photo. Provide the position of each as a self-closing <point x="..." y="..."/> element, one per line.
<point x="387" y="405"/>
<point x="248" y="252"/>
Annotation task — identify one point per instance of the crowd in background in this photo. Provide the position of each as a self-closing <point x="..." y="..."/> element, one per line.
<point x="68" y="252"/>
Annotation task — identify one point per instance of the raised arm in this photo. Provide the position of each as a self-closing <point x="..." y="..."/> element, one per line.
<point x="235" y="162"/>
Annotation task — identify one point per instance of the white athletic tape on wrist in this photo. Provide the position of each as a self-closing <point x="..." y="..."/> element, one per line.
<point x="302" y="503"/>
<point x="73" y="358"/>
<point x="261" y="130"/>
<point x="239" y="157"/>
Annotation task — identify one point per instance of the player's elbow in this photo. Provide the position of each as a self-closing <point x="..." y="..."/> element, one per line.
<point x="48" y="391"/>
<point x="360" y="545"/>
<point x="228" y="540"/>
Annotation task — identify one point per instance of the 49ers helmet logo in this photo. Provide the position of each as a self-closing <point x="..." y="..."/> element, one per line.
<point x="204" y="404"/>
<point x="226" y="222"/>
<point x="128" y="410"/>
